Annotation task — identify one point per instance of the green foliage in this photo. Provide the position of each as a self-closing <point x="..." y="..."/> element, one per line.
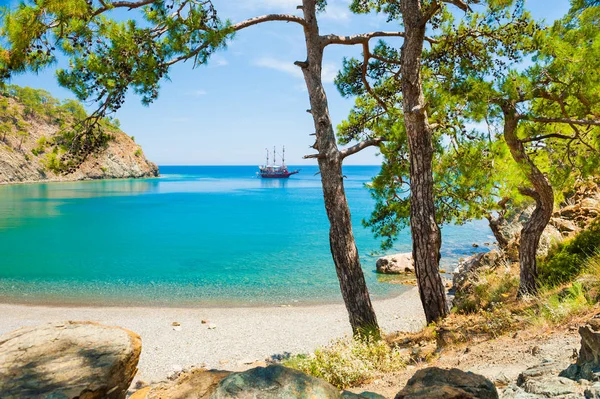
<point x="568" y="259"/>
<point x="138" y="152"/>
<point x="557" y="307"/>
<point x="52" y="162"/>
<point x="350" y="362"/>
<point x="489" y="289"/>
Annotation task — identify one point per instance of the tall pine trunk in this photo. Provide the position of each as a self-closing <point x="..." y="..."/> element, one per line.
<point x="543" y="195"/>
<point x="341" y="238"/>
<point x="426" y="236"/>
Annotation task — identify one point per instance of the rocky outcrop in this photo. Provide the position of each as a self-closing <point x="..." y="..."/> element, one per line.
<point x="396" y="264"/>
<point x="470" y="266"/>
<point x="24" y="157"/>
<point x="543" y="381"/>
<point x="587" y="366"/>
<point x="198" y="383"/>
<point x="437" y="383"/>
<point x="82" y="360"/>
<point x="272" y="382"/>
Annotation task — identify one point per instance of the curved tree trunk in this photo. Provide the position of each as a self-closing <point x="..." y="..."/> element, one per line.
<point x="341" y="238"/>
<point x="543" y="195"/>
<point x="496" y="227"/>
<point x="426" y="235"/>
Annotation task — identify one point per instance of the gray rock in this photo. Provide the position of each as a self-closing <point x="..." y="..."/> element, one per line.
<point x="515" y="392"/>
<point x="543" y="380"/>
<point x="436" y="383"/>
<point x="469" y="266"/>
<point x="274" y="382"/>
<point x="587" y="366"/>
<point x="68" y="360"/>
<point x="593" y="392"/>
<point x="395" y="264"/>
<point x="362" y="395"/>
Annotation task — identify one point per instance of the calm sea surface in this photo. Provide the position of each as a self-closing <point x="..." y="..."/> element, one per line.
<point x="198" y="235"/>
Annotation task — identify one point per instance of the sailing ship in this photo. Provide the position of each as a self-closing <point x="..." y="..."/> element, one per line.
<point x="274" y="171"/>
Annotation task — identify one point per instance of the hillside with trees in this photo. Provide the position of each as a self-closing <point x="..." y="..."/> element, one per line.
<point x="37" y="134"/>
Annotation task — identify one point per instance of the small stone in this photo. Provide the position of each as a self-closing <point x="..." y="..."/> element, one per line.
<point x="176" y="324"/>
<point x="475" y="245"/>
<point x="177" y="328"/>
<point x="204" y="321"/>
<point x="535" y="350"/>
<point x="211" y="326"/>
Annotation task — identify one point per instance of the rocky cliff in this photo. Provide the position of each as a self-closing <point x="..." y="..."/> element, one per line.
<point x="30" y="123"/>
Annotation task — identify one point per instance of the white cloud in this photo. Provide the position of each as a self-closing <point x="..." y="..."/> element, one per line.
<point x="328" y="73"/>
<point x="283" y="66"/>
<point x="217" y="61"/>
<point x="337" y="12"/>
<point x="274" y="5"/>
<point x="197" y="93"/>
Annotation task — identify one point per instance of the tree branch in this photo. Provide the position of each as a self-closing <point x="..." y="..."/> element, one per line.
<point x="356" y="39"/>
<point x="547" y="136"/>
<point x="361" y="146"/>
<point x="460" y="4"/>
<point x="313" y="156"/>
<point x="121" y="4"/>
<point x="583" y="122"/>
<point x="267" y="18"/>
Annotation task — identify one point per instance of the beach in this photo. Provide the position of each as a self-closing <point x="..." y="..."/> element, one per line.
<point x="238" y="338"/>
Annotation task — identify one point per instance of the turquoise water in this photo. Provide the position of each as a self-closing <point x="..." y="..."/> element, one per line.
<point x="195" y="236"/>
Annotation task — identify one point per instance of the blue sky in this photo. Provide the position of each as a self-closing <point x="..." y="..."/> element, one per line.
<point x="250" y="96"/>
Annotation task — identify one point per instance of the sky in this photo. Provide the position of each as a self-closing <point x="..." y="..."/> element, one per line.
<point x="250" y="96"/>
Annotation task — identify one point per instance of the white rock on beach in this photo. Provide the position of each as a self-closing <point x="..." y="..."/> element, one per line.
<point x="395" y="264"/>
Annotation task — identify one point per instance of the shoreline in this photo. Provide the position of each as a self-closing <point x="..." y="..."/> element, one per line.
<point x="59" y="301"/>
<point x="241" y="336"/>
<point x="67" y="180"/>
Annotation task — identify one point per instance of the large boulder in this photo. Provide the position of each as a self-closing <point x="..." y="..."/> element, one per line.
<point x="437" y="383"/>
<point x="587" y="366"/>
<point x="197" y="384"/>
<point x="395" y="264"/>
<point x="274" y="382"/>
<point x="82" y="360"/>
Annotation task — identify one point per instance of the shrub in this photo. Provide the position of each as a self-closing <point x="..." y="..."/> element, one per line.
<point x="566" y="260"/>
<point x="350" y="362"/>
<point x="487" y="290"/>
<point x="556" y="308"/>
<point x="138" y="152"/>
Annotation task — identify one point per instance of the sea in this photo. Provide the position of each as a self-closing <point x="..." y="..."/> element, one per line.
<point x="195" y="236"/>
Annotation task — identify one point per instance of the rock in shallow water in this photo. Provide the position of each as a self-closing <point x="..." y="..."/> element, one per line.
<point x="82" y="360"/>
<point x="395" y="264"/>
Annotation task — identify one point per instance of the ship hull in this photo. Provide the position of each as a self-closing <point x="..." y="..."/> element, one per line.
<point x="277" y="175"/>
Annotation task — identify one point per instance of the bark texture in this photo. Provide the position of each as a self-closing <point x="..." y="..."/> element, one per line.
<point x="543" y="195"/>
<point x="426" y="235"/>
<point x="341" y="238"/>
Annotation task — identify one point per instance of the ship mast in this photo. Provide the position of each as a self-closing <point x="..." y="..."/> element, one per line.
<point x="274" y="159"/>
<point x="283" y="157"/>
<point x="267" y="164"/>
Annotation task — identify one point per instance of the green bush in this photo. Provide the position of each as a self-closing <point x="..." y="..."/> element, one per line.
<point x="350" y="362"/>
<point x="567" y="260"/>
<point x="558" y="307"/>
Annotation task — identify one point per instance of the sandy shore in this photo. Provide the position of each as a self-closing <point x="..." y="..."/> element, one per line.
<point x="241" y="336"/>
